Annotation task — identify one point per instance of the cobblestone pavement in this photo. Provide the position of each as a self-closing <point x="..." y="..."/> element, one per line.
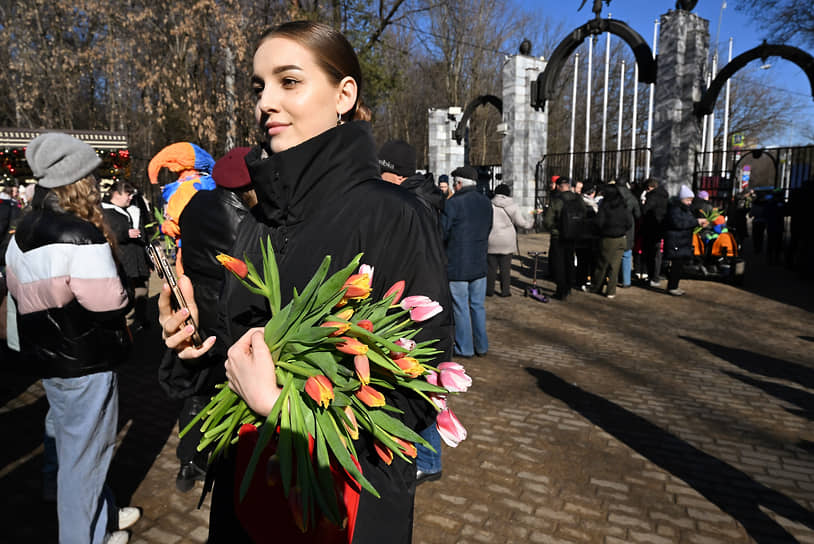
<point x="643" y="419"/>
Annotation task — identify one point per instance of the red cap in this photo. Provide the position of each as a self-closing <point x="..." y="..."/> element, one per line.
<point x="230" y="171"/>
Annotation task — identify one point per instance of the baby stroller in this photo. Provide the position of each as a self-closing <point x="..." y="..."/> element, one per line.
<point x="716" y="254"/>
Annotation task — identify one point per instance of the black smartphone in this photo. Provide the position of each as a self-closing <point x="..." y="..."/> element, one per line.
<point x="166" y="272"/>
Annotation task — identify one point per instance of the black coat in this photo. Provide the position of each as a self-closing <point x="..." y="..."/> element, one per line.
<point x="635" y="211"/>
<point x="129" y="251"/>
<point x="209" y="222"/>
<point x="678" y="227"/>
<point x="466" y="222"/>
<point x="323" y="197"/>
<point x="653" y="213"/>
<point x="614" y="218"/>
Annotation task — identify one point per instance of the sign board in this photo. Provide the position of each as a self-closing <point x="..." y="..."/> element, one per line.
<point x="746" y="175"/>
<point x="737" y="140"/>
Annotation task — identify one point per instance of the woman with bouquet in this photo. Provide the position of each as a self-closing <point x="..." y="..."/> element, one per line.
<point x="316" y="176"/>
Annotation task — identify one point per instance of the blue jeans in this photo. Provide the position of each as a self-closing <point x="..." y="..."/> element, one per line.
<point x="469" y="314"/>
<point x="627" y="257"/>
<point x="427" y="460"/>
<point x="84" y="412"/>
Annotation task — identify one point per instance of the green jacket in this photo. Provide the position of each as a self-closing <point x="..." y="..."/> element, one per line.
<point x="551" y="218"/>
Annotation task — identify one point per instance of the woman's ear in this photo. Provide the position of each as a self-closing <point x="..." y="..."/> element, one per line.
<point x="348" y="91"/>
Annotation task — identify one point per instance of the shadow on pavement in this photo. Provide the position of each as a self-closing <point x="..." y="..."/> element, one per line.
<point x="733" y="491"/>
<point x="806" y="338"/>
<point x="757" y="363"/>
<point x="144" y="410"/>
<point x="798" y="397"/>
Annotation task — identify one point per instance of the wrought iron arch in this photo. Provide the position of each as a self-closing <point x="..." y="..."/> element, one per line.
<point x="470" y="108"/>
<point x="543" y="89"/>
<point x="763" y="51"/>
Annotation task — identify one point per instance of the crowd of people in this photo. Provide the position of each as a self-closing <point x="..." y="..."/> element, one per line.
<point x="316" y="185"/>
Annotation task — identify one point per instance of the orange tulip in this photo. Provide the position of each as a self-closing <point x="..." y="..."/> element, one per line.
<point x="383" y="451"/>
<point x="366" y="324"/>
<point x="345" y="314"/>
<point x="370" y="396"/>
<point x="351" y="346"/>
<point x="362" y="366"/>
<point x="353" y="428"/>
<point x="320" y="389"/>
<point x="410" y="366"/>
<point x="236" y="266"/>
<point x="407" y="448"/>
<point x="341" y="327"/>
<point x="358" y="287"/>
<point x="398" y="289"/>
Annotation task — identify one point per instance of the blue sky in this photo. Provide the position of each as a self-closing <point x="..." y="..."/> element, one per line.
<point x="641" y="14"/>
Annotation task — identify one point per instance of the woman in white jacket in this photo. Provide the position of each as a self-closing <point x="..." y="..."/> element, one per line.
<point x="503" y="239"/>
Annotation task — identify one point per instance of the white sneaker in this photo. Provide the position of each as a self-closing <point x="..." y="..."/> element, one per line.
<point x="677" y="292"/>
<point x="655" y="284"/>
<point x="118" y="537"/>
<point x="128" y="516"/>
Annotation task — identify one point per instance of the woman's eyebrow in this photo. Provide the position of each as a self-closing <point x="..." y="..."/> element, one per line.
<point x="285" y="68"/>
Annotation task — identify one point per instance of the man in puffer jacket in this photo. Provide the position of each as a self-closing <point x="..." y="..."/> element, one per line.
<point x="503" y="239"/>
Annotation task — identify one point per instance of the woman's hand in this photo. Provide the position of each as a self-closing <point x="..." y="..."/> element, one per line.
<point x="177" y="336"/>
<point x="250" y="371"/>
<point x="703" y="222"/>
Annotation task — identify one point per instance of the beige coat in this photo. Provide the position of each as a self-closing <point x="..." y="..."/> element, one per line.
<point x="505" y="216"/>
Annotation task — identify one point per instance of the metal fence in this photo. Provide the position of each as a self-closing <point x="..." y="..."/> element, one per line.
<point x="725" y="174"/>
<point x="597" y="166"/>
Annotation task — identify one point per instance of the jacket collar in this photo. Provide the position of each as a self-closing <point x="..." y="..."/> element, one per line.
<point x="294" y="183"/>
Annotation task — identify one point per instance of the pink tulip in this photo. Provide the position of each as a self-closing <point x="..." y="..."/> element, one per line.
<point x="454" y="378"/>
<point x="411" y="302"/>
<point x="450" y="428"/>
<point x="432" y="377"/>
<point x="425" y="311"/>
<point x="367" y="269"/>
<point x="405" y="343"/>
<point x="439" y="400"/>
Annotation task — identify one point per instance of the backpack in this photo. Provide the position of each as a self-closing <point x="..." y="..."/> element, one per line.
<point x="573" y="219"/>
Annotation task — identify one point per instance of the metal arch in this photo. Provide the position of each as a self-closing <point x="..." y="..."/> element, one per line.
<point x="458" y="134"/>
<point x="799" y="57"/>
<point x="543" y="89"/>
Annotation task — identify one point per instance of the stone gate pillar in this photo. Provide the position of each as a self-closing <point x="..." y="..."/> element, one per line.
<point x="445" y="154"/>
<point x="683" y="53"/>
<point x="524" y="142"/>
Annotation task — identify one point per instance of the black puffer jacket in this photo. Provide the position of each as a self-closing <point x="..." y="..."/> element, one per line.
<point x="68" y="292"/>
<point x="614" y="217"/>
<point x="678" y="227"/>
<point x="323" y="197"/>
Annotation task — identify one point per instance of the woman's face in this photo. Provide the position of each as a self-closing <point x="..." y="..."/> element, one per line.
<point x="295" y="98"/>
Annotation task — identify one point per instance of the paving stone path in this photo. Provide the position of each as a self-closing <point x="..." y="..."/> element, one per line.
<point x="643" y="419"/>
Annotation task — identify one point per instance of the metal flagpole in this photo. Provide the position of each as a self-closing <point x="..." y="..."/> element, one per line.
<point x="704" y="133"/>
<point x="573" y="117"/>
<point x="605" y="102"/>
<point x="633" y="124"/>
<point x="588" y="97"/>
<point x="650" y="107"/>
<point x="726" y="117"/>
<point x="621" y="113"/>
<point x="711" y="133"/>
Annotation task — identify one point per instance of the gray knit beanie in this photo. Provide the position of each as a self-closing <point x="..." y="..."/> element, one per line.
<point x="57" y="159"/>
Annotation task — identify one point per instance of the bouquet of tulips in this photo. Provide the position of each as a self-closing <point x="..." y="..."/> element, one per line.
<point x="335" y="351"/>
